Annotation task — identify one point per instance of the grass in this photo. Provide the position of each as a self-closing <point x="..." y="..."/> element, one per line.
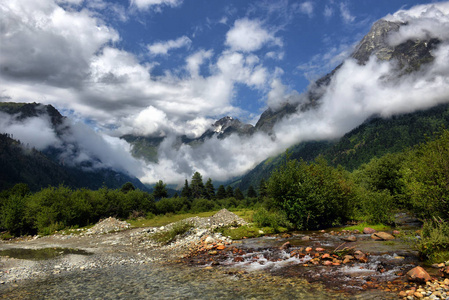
<point x="378" y="227"/>
<point x="165" y="237"/>
<point x="162" y="220"/>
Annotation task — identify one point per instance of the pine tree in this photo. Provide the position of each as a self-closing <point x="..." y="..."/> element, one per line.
<point x="229" y="192"/>
<point x="186" y="191"/>
<point x="238" y="194"/>
<point x="263" y="189"/>
<point x="251" y="193"/>
<point x="160" y="190"/>
<point x="197" y="186"/>
<point x="221" y="192"/>
<point x="210" y="190"/>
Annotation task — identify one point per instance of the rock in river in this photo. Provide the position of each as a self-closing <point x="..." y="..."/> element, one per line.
<point x="382" y="236"/>
<point x="418" y="274"/>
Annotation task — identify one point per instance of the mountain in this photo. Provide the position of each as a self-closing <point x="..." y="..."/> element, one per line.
<point x="145" y="147"/>
<point x="21" y="163"/>
<point x="409" y="55"/>
<point x="374" y="138"/>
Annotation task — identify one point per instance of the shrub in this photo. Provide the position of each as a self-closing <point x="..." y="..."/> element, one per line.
<point x="12" y="215"/>
<point x="434" y="242"/>
<point x="312" y="195"/>
<point x="165" y="237"/>
<point x="426" y="177"/>
<point x="375" y="207"/>
<point x="275" y="219"/>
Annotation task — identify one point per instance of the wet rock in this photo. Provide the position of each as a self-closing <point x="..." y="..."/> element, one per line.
<point x="238" y="259"/>
<point x="418" y="274"/>
<point x="308" y="249"/>
<point x="360" y="256"/>
<point x="350" y="238"/>
<point x="305" y="238"/>
<point x="396" y="232"/>
<point x="319" y="249"/>
<point x="285" y="246"/>
<point x="220" y="247"/>
<point x="445" y="272"/>
<point x="326" y="256"/>
<point x="327" y="263"/>
<point x="368" y="230"/>
<point x="382" y="236"/>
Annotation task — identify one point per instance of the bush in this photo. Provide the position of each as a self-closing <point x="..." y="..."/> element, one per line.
<point x="165" y="237"/>
<point x="426" y="177"/>
<point x="12" y="215"/>
<point x="312" y="195"/>
<point x="375" y="207"/>
<point x="275" y="219"/>
<point x="434" y="242"/>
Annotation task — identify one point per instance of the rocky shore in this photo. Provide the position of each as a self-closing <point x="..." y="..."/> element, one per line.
<point x="346" y="261"/>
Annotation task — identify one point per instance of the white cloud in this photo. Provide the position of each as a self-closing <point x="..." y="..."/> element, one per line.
<point x="307" y="8"/>
<point x="424" y="22"/>
<point x="249" y="35"/>
<point x="328" y="11"/>
<point x="345" y="13"/>
<point x="162" y="48"/>
<point x="155" y="4"/>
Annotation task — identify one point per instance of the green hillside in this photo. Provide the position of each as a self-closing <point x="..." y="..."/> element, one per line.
<point x="374" y="138"/>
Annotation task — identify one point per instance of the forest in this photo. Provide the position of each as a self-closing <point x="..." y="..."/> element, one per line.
<point x="299" y="195"/>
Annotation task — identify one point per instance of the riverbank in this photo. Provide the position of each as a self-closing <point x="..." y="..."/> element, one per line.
<point x="363" y="267"/>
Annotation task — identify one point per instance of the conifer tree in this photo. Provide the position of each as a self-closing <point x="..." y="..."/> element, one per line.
<point x="160" y="190"/>
<point x="186" y="192"/>
<point x="229" y="192"/>
<point x="251" y="193"/>
<point x="197" y="186"/>
<point x="221" y="192"/>
<point x="209" y="189"/>
<point x="238" y="194"/>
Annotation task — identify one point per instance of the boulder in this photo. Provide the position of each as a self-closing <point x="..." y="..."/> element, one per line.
<point x="350" y="238"/>
<point x="368" y="230"/>
<point x="418" y="274"/>
<point x="360" y="256"/>
<point x="382" y="236"/>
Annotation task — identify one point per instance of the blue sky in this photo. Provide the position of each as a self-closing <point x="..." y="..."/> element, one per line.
<point x="173" y="67"/>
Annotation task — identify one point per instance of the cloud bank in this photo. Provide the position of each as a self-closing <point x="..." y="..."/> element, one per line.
<point x="69" y="58"/>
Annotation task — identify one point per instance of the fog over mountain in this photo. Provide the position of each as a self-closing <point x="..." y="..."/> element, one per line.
<point x="108" y="86"/>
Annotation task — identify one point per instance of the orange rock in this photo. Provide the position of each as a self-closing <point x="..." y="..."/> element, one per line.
<point x="326" y="256"/>
<point x="368" y="230"/>
<point x="221" y="247"/>
<point x="308" y="249"/>
<point x="319" y="249"/>
<point x="327" y="263"/>
<point x="418" y="274"/>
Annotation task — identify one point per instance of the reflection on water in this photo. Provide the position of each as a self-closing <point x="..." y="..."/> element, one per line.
<point x="40" y="254"/>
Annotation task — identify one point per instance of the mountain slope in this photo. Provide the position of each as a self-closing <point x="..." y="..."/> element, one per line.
<point x="374" y="138"/>
<point x="38" y="169"/>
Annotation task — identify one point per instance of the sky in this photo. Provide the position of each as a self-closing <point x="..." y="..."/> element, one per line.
<point x="173" y="67"/>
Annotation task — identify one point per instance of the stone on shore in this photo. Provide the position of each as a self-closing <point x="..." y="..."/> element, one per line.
<point x="382" y="236"/>
<point x="418" y="274"/>
<point x="350" y="238"/>
<point x="368" y="230"/>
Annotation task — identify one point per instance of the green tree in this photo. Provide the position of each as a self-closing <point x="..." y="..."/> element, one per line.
<point x="238" y="194"/>
<point x="186" y="191"/>
<point x="229" y="192"/>
<point x="197" y="186"/>
<point x="160" y="190"/>
<point x="251" y="193"/>
<point x="263" y="192"/>
<point x="312" y="195"/>
<point x="209" y="190"/>
<point x="221" y="192"/>
<point x="127" y="187"/>
<point x="426" y="177"/>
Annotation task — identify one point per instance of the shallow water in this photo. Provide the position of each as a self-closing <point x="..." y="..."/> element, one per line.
<point x="40" y="254"/>
<point x="154" y="281"/>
